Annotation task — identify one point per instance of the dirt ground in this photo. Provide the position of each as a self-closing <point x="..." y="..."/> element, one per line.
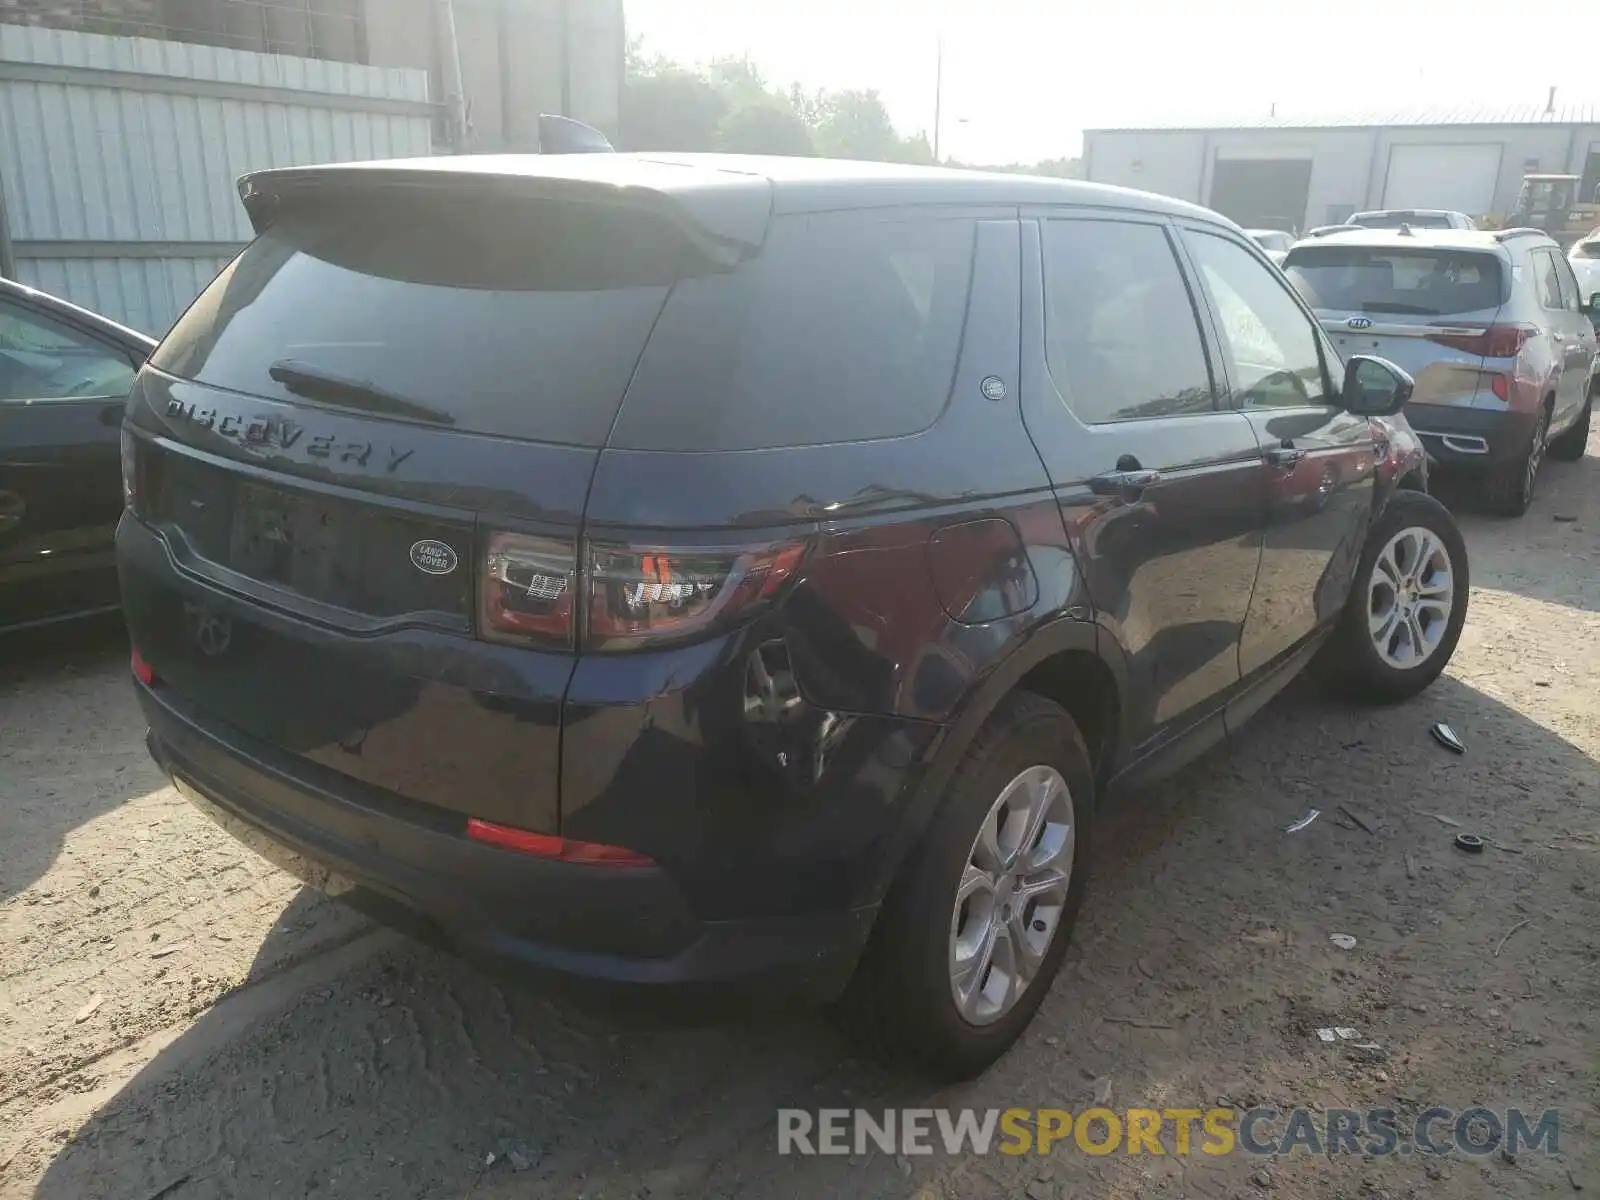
<point x="179" y="1020"/>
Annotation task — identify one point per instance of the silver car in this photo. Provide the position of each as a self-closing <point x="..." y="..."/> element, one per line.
<point x="1489" y="324"/>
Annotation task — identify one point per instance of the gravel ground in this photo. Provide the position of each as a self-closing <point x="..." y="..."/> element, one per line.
<point x="179" y="1020"/>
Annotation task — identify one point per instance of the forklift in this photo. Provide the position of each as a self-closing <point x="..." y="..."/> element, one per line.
<point x="1552" y="203"/>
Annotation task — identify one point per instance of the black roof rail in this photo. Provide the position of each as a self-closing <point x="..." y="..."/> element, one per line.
<point x="1501" y="235"/>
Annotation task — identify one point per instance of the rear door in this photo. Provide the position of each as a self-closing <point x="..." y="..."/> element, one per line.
<point x="1424" y="308"/>
<point x="1576" y="341"/>
<point x="61" y="400"/>
<point x="1319" y="459"/>
<point x="1159" y="484"/>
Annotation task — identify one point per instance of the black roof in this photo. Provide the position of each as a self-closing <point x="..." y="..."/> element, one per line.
<point x="732" y="195"/>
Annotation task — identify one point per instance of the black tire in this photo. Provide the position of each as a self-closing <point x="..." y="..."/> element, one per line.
<point x="1570" y="446"/>
<point x="1511" y="485"/>
<point x="1349" y="663"/>
<point x="900" y="1004"/>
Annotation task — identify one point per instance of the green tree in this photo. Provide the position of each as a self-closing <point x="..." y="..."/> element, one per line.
<point x="670" y="108"/>
<point x="729" y="105"/>
<point x="855" y="124"/>
<point x="768" y="126"/>
<point x="1057" y="168"/>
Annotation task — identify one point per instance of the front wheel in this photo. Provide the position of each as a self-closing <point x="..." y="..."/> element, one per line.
<point x="1404" y="615"/>
<point x="974" y="929"/>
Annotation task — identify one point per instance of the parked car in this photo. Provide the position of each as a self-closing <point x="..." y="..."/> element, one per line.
<point x="1274" y="241"/>
<point x="760" y="581"/>
<point x="1488" y="324"/>
<point x="64" y="373"/>
<point x="1414" y="218"/>
<point x="1585" y="259"/>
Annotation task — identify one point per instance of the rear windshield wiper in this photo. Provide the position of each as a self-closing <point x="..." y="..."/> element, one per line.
<point x="1389" y="306"/>
<point x="360" y="394"/>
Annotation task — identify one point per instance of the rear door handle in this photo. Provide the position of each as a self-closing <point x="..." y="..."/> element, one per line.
<point x="1283" y="456"/>
<point x="1118" y="483"/>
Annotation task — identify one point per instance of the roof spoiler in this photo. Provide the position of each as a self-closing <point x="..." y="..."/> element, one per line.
<point x="1503" y="235"/>
<point x="728" y="221"/>
<point x="563" y="135"/>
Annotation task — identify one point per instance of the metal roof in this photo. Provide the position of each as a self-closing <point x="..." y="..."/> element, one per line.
<point x="1585" y="112"/>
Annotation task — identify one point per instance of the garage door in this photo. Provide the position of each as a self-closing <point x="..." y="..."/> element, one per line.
<point x="1455" y="177"/>
<point x="1262" y="193"/>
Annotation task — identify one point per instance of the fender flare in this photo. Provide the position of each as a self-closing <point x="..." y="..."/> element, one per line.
<point x="925" y="791"/>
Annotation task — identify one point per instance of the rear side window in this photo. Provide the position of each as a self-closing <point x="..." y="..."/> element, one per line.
<point x="846" y="327"/>
<point x="1558" y="286"/>
<point x="1121" y="335"/>
<point x="1378" y="279"/>
<point x="1570" y="296"/>
<point x="502" y="315"/>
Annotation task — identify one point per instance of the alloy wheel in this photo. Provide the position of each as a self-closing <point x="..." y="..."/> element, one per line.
<point x="1409" y="597"/>
<point x="1012" y="893"/>
<point x="1530" y="469"/>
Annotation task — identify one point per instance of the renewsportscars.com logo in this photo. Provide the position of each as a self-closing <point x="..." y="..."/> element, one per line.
<point x="1175" y="1131"/>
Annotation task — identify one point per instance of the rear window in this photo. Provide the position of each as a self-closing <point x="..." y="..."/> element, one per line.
<point x="492" y="314"/>
<point x="1423" y="282"/>
<point x="846" y="327"/>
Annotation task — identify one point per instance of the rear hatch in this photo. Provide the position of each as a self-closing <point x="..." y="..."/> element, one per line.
<point x="319" y="437"/>
<point x="1431" y="310"/>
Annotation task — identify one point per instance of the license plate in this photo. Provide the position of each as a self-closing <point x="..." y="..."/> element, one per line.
<point x="289" y="540"/>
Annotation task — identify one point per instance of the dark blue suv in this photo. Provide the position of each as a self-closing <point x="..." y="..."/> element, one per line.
<point x="727" y="576"/>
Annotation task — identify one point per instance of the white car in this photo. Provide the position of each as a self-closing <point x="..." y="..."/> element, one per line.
<point x="1585" y="259"/>
<point x="1274" y="241"/>
<point x="1413" y="218"/>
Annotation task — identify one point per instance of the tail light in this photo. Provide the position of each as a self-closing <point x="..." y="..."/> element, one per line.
<point x="142" y="671"/>
<point x="544" y="845"/>
<point x="1500" y="385"/>
<point x="529" y="589"/>
<point x="639" y="596"/>
<point x="1490" y="341"/>
<point x="533" y="592"/>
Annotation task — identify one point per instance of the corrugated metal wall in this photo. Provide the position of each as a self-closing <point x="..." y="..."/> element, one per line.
<point x="118" y="156"/>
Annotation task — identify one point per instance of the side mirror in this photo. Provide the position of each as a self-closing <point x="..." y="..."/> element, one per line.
<point x="1375" y="387"/>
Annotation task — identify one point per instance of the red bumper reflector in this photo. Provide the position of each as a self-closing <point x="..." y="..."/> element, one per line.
<point x="543" y="845"/>
<point x="142" y="671"/>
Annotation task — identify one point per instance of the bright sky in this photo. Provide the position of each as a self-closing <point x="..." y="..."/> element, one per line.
<point x="1024" y="78"/>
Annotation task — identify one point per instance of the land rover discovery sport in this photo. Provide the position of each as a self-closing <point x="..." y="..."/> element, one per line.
<point x="735" y="576"/>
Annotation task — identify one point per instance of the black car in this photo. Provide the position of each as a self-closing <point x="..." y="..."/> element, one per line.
<point x="731" y="576"/>
<point x="64" y="373"/>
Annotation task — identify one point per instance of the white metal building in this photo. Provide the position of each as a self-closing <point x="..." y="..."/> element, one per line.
<point x="1300" y="172"/>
